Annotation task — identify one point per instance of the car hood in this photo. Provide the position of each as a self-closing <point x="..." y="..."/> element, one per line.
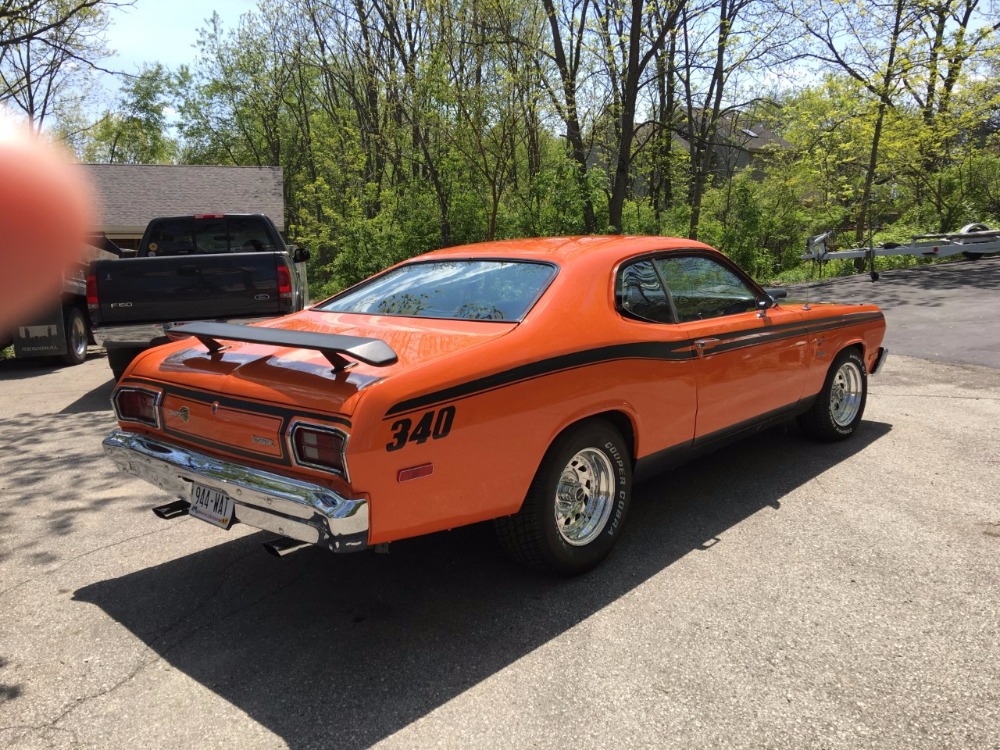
<point x="283" y="375"/>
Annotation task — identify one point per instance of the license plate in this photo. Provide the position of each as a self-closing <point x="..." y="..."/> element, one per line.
<point x="211" y="505"/>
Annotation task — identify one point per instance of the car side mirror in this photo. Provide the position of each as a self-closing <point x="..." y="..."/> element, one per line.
<point x="300" y="254"/>
<point x="763" y="303"/>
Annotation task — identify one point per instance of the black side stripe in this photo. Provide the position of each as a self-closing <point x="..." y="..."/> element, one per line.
<point x="666" y="351"/>
<point x="675" y="350"/>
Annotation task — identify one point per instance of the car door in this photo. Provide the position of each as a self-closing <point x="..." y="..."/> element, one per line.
<point x="749" y="363"/>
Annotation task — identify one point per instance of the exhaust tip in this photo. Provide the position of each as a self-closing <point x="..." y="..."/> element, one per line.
<point x="172" y="510"/>
<point x="283" y="546"/>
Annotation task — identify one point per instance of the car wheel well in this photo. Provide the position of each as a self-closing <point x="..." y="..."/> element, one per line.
<point x="619" y="420"/>
<point x="857" y="346"/>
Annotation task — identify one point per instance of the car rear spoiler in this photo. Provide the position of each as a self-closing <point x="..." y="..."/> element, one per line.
<point x="370" y="351"/>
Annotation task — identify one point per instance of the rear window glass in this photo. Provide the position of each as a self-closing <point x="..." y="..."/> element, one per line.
<point x="452" y="289"/>
<point x="190" y="236"/>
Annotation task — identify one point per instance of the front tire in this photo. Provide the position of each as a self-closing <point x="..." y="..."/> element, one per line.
<point x="575" y="508"/>
<point x="837" y="411"/>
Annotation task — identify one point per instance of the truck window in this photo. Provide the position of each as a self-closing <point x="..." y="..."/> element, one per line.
<point x="249" y="234"/>
<point x="190" y="236"/>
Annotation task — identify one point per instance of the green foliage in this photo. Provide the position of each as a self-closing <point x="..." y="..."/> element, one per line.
<point x="409" y="125"/>
<point x="136" y="131"/>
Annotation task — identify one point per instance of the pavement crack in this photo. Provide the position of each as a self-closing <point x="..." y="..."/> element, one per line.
<point x="242" y="608"/>
<point x="74" y="559"/>
<point x="162" y="654"/>
<point x="944" y="396"/>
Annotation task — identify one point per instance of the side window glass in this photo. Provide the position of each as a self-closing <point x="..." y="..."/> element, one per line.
<point x="210" y="236"/>
<point x="640" y="293"/>
<point x="248" y="234"/>
<point x="170" y="237"/>
<point x="703" y="288"/>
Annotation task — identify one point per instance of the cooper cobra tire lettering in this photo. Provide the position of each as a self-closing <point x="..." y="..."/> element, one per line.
<point x="576" y="507"/>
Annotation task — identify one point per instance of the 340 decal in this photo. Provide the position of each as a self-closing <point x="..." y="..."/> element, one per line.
<point x="433" y="425"/>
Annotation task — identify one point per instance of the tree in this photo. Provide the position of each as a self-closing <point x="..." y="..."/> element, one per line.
<point x="568" y="26"/>
<point x="47" y="53"/>
<point x="136" y="131"/>
<point x="627" y="53"/>
<point x="871" y="41"/>
<point x="23" y="21"/>
<point x="725" y="51"/>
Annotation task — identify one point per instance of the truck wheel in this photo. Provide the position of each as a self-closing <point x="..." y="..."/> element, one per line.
<point x="576" y="506"/>
<point x="120" y="359"/>
<point x="837" y="411"/>
<point x="77" y="336"/>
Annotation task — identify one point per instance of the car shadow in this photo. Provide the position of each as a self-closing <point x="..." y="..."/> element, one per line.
<point x="98" y="399"/>
<point x="327" y="650"/>
<point x="14" y="368"/>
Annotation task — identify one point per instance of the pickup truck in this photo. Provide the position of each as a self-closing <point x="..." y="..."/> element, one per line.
<point x="62" y="331"/>
<point x="219" y="267"/>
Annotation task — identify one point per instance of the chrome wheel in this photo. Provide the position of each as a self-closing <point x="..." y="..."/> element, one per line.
<point x="78" y="337"/>
<point x="846" y="394"/>
<point x="584" y="497"/>
<point x="575" y="508"/>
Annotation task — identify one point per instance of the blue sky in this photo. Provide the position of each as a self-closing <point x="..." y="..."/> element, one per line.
<point x="164" y="31"/>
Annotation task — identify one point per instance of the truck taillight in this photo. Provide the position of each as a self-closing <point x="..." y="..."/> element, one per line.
<point x="137" y="405"/>
<point x="93" y="303"/>
<point x="319" y="448"/>
<point x="284" y="283"/>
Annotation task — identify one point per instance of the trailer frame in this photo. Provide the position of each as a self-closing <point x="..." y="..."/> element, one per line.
<point x="973" y="241"/>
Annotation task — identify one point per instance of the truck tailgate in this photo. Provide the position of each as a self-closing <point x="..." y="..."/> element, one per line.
<point x="188" y="287"/>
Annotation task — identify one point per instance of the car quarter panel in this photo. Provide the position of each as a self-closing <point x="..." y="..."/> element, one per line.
<point x="502" y="422"/>
<point x="833" y="328"/>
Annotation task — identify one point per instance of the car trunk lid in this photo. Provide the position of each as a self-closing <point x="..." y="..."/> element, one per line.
<point x="283" y="375"/>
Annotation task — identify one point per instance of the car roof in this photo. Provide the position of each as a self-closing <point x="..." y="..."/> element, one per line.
<point x="606" y="248"/>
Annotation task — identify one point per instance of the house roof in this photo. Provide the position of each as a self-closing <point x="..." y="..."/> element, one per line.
<point x="129" y="195"/>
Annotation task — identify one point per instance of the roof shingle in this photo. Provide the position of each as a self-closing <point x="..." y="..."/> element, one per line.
<point x="129" y="195"/>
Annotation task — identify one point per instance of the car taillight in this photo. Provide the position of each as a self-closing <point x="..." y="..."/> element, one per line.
<point x="93" y="303"/>
<point x="284" y="283"/>
<point x="319" y="448"/>
<point x="137" y="405"/>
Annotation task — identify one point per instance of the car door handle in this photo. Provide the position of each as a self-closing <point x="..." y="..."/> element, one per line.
<point x="704" y="344"/>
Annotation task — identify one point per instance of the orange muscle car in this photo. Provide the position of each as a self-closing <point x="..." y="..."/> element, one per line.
<point x="528" y="382"/>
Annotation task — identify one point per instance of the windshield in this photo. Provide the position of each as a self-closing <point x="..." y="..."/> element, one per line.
<point x="454" y="289"/>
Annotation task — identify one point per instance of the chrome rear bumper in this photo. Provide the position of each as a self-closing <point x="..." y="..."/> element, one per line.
<point x="130" y="336"/>
<point x="301" y="510"/>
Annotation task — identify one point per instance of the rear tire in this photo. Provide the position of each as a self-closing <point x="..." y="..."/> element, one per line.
<point x="837" y="411"/>
<point x="120" y="359"/>
<point x="77" y="336"/>
<point x="575" y="508"/>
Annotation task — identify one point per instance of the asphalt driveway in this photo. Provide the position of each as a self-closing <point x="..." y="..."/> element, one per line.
<point x="779" y="593"/>
<point x="946" y="312"/>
